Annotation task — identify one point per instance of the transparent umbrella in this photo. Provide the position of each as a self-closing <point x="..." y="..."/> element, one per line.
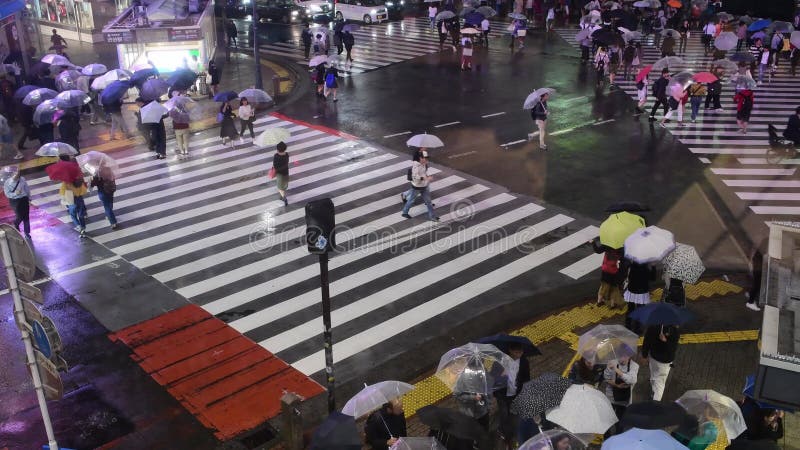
<point x="726" y="41"/>
<point x="707" y="405"/>
<point x="604" y="343"/>
<point x="55" y="149"/>
<point x="424" y="140"/>
<point x="255" y="96"/>
<point x="37" y="96"/>
<point x="474" y="368"/>
<point x="56" y="60"/>
<point x="667" y="63"/>
<point x="72" y="99"/>
<point x="638" y="439"/>
<point x="272" y="136"/>
<point x="66" y="80"/>
<point x="553" y="440"/>
<point x="417" y="443"/>
<point x="99" y="164"/>
<point x="794" y="38"/>
<point x="534" y="97"/>
<point x="583" y="410"/>
<point x="374" y="396"/>
<point x="44" y="112"/>
<point x="181" y="101"/>
<point x="649" y="245"/>
<point x="153" y="112"/>
<point x="94" y="69"/>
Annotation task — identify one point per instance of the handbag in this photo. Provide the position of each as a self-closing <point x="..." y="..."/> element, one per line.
<point x="272" y="172"/>
<point x="69" y="198"/>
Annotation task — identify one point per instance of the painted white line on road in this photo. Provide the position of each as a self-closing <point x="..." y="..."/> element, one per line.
<point x="583" y="267"/>
<point x="728" y="151"/>
<point x="726" y="171"/>
<point x="513" y="143"/>
<point x="787" y="196"/>
<point x="493" y="115"/>
<point x="776" y="210"/>
<point x="460" y="155"/>
<point x="605" y="121"/>
<point x="704" y="160"/>
<point x="396" y="134"/>
<point x="763" y="183"/>
<point x="57" y="275"/>
<point x="751" y="161"/>
<point x="446" y="124"/>
<point x="574" y="98"/>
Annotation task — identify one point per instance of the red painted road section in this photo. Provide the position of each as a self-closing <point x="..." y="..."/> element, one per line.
<point x="228" y="382"/>
<point x="322" y="128"/>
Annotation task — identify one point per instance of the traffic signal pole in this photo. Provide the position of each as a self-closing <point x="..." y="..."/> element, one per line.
<point x="327" y="335"/>
<point x="259" y="84"/>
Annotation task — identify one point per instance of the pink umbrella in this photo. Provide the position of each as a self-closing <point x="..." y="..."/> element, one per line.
<point x="643" y="73"/>
<point x="705" y="77"/>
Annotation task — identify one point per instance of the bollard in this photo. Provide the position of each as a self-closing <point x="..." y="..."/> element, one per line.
<point x="292" y="430"/>
<point x="276" y="87"/>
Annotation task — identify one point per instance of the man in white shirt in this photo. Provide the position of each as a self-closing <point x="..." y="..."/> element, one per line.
<point x="708" y="36"/>
<point x="432" y="11"/>
<point x="485" y="30"/>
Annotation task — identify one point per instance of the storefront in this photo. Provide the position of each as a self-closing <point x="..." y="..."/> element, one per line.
<point x="168" y="43"/>
<point x="12" y="40"/>
<point x="75" y="19"/>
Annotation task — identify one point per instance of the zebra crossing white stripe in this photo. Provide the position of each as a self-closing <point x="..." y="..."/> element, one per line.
<point x="380" y="332"/>
<point x="269" y="220"/>
<point x="763" y="183"/>
<point x="757" y="161"/>
<point x="734" y="171"/>
<point x="728" y="151"/>
<point x="411" y="285"/>
<point x="776" y="210"/>
<point x="341" y="260"/>
<point x="581" y="268"/>
<point x="248" y="270"/>
<point x="399" y="262"/>
<point x="790" y="196"/>
<point x="296" y="232"/>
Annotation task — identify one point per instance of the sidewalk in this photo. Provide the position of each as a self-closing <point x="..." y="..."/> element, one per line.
<point x="237" y="75"/>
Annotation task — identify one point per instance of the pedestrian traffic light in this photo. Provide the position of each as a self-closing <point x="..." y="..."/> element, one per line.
<point x="320" y="223"/>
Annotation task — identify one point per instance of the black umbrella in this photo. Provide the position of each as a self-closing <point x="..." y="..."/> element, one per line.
<point x="745" y="57"/>
<point x="24" y="90"/>
<point x="631" y="207"/>
<point x="40" y="68"/>
<point x="653" y="415"/>
<point x="661" y="313"/>
<point x="744" y="444"/>
<point x="504" y="341"/>
<point x="182" y="79"/>
<point x="451" y="422"/>
<point x="140" y="76"/>
<point x="540" y="394"/>
<point x="337" y="432"/>
<point x="608" y="36"/>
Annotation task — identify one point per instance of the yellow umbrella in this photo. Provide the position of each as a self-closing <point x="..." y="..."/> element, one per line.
<point x="618" y="227"/>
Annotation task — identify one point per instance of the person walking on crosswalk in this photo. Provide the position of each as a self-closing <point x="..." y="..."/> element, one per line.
<point x="306" y="36"/>
<point x="105" y="193"/>
<point x="348" y="40"/>
<point x="280" y="164"/>
<point x="420" y="181"/>
<point x="18" y="193"/>
<point x="744" y="106"/>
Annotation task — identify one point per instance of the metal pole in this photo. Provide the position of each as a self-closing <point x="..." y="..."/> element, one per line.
<point x="22" y="32"/>
<point x="326" y="320"/>
<point x="256" y="53"/>
<point x="26" y="338"/>
<point x="77" y="21"/>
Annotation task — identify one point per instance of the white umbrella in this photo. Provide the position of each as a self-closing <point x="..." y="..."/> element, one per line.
<point x="98" y="163"/>
<point x="468" y="31"/>
<point x="317" y="60"/>
<point x="374" y="396"/>
<point x="707" y="404"/>
<point x="417" y="443"/>
<point x="684" y="264"/>
<point x="424" y="140"/>
<point x="648" y="245"/>
<point x="56" y="149"/>
<point x="104" y="80"/>
<point x="255" y="96"/>
<point x="535" y="96"/>
<point x="584" y="409"/>
<point x="638" y="439"/>
<point x="94" y="69"/>
<point x="794" y="38"/>
<point x="272" y="136"/>
<point x="179" y="100"/>
<point x="56" y="60"/>
<point x="153" y="112"/>
<point x="141" y="66"/>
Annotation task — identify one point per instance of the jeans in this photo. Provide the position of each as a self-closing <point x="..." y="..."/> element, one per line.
<point x="695" y="101"/>
<point x="426" y="197"/>
<point x="761" y="69"/>
<point x="117" y="121"/>
<point x="76" y="211"/>
<point x="108" y="205"/>
<point x="433" y="22"/>
<point x="658" y="377"/>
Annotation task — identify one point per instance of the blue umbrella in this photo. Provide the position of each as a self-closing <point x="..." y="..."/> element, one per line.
<point x="38" y="95"/>
<point x="225" y="96"/>
<point x="661" y="314"/>
<point x="338" y="431"/>
<point x="114" y="91"/>
<point x="503" y="341"/>
<point x="474" y="18"/>
<point x="182" y="79"/>
<point x="153" y="89"/>
<point x="759" y="25"/>
<point x="140" y="76"/>
<point x="24" y="90"/>
<point x="749" y="391"/>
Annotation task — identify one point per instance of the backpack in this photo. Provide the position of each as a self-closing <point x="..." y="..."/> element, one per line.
<point x="610" y="265"/>
<point x="330" y="80"/>
<point x="109" y="186"/>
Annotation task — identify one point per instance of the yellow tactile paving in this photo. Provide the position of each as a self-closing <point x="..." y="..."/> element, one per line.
<point x="288" y="83"/>
<point x="562" y="325"/>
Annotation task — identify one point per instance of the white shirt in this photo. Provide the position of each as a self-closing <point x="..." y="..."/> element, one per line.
<point x="513" y="370"/>
<point x="551" y="14"/>
<point x="485" y="24"/>
<point x="710" y="29"/>
<point x="245" y="112"/>
<point x="432" y="11"/>
<point x="419" y="174"/>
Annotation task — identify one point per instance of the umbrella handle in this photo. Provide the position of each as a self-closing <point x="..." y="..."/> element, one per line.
<point x="391" y="436"/>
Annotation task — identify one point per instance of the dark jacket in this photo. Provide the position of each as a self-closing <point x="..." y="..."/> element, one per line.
<point x="792" y="131"/>
<point x="663" y="352"/>
<point x="306" y="37"/>
<point x="660" y="88"/>
<point x="523" y="376"/>
<point x="584" y="375"/>
<point x="281" y="163"/>
<point x="348" y="39"/>
<point x="539" y="112"/>
<point x="376" y="426"/>
<point x="639" y="277"/>
<point x="69" y="127"/>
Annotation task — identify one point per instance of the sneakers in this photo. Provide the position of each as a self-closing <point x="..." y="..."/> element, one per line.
<point x="652" y="118"/>
<point x="113" y="226"/>
<point x="19" y="156"/>
<point x="406" y="215"/>
<point x="753" y="306"/>
<point x="435" y="219"/>
<point x="542" y="147"/>
<point x="663" y="125"/>
<point x="285" y="201"/>
<point x="530" y="136"/>
<point x="82" y="232"/>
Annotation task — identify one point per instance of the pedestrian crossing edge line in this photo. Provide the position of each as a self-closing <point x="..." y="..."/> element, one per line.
<point x="322" y="128"/>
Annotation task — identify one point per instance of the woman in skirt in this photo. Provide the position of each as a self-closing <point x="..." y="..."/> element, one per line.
<point x="228" y="130"/>
<point x="637" y="291"/>
<point x="280" y="163"/>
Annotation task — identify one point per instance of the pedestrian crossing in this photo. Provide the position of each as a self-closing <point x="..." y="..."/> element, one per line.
<point x="740" y="160"/>
<point x="211" y="227"/>
<point x="378" y="45"/>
